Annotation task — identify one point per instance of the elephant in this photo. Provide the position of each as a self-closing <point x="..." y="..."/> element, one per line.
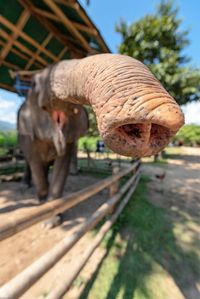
<point x="135" y="115"/>
<point x="49" y="139"/>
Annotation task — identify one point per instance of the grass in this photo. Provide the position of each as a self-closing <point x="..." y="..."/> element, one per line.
<point x="143" y="258"/>
<point x="11" y="170"/>
<point x="8" y="139"/>
<point x="89" y="141"/>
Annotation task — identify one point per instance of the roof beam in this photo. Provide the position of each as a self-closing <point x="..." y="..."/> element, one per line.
<point x="68" y="24"/>
<point x="75" y="5"/>
<point x="10" y="65"/>
<point x="20" y="24"/>
<point x="56" y="19"/>
<point x="22" y="48"/>
<point x="44" y="44"/>
<point x="7" y="87"/>
<point x="50" y="27"/>
<point x="26" y="37"/>
<point x="15" y="51"/>
<point x="46" y="14"/>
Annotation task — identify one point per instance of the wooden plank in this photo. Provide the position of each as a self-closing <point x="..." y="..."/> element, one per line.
<point x="26" y="37"/>
<point x="46" y="14"/>
<point x="76" y="53"/>
<point x="9" y="64"/>
<point x="79" y="10"/>
<point x="50" y="209"/>
<point x="22" y="48"/>
<point x="62" y="53"/>
<point x="20" y="24"/>
<point x="68" y="24"/>
<point x="15" y="51"/>
<point x="102" y="44"/>
<point x="84" y="28"/>
<point x="44" y="44"/>
<point x="7" y="87"/>
<point x="76" y="6"/>
<point x="24" y="280"/>
<point x="53" y="17"/>
<point x="85" y="18"/>
<point x="60" y="289"/>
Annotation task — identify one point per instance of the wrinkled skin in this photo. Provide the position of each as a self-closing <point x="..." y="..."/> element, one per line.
<point x="48" y="138"/>
<point x="136" y="116"/>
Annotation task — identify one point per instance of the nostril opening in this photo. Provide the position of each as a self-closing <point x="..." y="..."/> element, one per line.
<point x="160" y="135"/>
<point x="132" y="130"/>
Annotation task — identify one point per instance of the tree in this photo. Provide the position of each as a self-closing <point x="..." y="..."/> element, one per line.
<point x="92" y="131"/>
<point x="158" y="41"/>
<point x="188" y="135"/>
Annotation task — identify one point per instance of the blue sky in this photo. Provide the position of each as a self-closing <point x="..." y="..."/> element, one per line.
<point x="106" y="14"/>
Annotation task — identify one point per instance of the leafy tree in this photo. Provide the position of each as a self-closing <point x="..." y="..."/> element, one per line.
<point x="93" y="131"/>
<point x="189" y="135"/>
<point x="158" y="41"/>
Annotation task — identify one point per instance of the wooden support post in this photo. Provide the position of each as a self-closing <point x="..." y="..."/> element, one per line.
<point x="115" y="186"/>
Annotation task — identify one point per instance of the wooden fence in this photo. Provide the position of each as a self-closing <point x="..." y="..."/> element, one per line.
<point x="24" y="280"/>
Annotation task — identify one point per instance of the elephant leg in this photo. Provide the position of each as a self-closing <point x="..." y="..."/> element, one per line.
<point x="39" y="171"/>
<point x="27" y="176"/>
<point x="74" y="160"/>
<point x="60" y="172"/>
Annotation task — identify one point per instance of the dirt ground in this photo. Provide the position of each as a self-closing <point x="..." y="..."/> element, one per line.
<point x="178" y="191"/>
<point x="36" y="240"/>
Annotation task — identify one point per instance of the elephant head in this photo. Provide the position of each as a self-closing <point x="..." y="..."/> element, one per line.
<point x="135" y="114"/>
<point x="57" y="123"/>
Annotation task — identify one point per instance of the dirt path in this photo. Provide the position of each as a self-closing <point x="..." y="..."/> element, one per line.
<point x="179" y="193"/>
<point x="25" y="247"/>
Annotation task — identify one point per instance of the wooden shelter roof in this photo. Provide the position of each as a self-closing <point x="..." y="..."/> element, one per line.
<point x="36" y="33"/>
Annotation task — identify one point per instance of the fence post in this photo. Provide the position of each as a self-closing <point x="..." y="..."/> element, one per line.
<point x="115" y="186"/>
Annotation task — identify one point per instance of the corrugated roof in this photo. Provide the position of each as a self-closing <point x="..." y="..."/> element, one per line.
<point x="36" y="33"/>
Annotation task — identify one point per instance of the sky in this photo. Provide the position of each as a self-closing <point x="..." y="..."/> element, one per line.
<point x="106" y="14"/>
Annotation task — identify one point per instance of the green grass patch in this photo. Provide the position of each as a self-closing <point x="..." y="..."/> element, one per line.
<point x="11" y="170"/>
<point x="8" y="139"/>
<point x="89" y="142"/>
<point x="142" y="255"/>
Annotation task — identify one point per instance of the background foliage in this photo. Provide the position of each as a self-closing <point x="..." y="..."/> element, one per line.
<point x="158" y="41"/>
<point x="188" y="135"/>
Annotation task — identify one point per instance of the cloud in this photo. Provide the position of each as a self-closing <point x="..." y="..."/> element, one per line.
<point x="192" y="113"/>
<point x="8" y="110"/>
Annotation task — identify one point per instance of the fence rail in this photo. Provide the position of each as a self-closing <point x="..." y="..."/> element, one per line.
<point x="24" y="280"/>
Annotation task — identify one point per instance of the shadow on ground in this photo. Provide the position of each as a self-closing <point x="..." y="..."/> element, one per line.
<point x="185" y="158"/>
<point x="147" y="242"/>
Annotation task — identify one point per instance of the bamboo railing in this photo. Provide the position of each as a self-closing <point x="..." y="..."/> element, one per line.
<point x="24" y="280"/>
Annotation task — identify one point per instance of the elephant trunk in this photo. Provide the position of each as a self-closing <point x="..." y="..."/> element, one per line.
<point x="135" y="114"/>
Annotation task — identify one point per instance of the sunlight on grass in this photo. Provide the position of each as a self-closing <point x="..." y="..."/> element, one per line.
<point x="143" y="259"/>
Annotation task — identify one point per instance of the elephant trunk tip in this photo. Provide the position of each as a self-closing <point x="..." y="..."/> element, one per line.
<point x="145" y="137"/>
